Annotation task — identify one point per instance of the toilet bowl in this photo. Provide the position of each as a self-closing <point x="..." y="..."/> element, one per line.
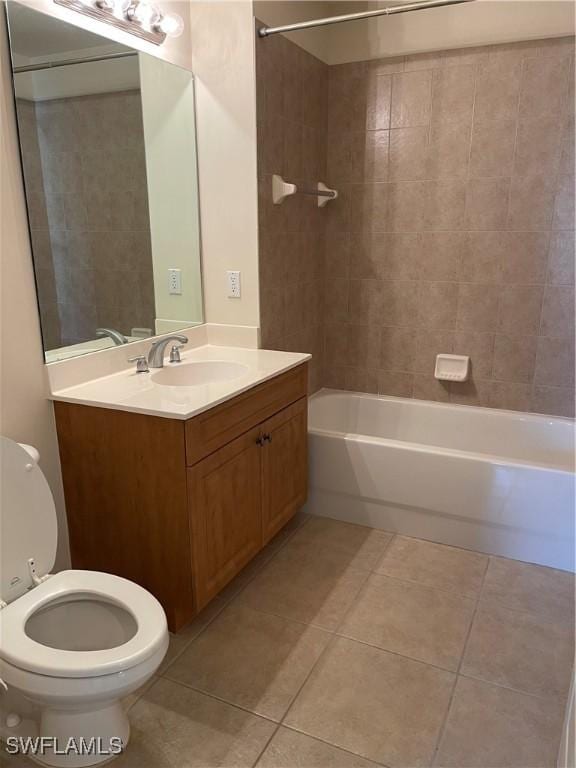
<point x="72" y="644"/>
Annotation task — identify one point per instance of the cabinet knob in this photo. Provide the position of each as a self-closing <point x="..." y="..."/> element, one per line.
<point x="260" y="440"/>
<point x="267" y="437"/>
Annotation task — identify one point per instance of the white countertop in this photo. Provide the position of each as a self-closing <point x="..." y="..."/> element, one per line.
<point x="138" y="393"/>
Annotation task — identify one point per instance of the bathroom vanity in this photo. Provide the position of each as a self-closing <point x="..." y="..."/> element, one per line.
<point x="174" y="493"/>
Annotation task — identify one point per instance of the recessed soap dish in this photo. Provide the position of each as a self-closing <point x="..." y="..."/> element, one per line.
<point x="452" y="367"/>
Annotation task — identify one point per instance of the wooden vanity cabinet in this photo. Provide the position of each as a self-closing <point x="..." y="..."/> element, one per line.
<point x="180" y="507"/>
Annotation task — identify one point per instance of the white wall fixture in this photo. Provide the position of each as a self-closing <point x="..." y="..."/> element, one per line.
<point x="452" y="367"/>
<point x="138" y="17"/>
<point x="282" y="189"/>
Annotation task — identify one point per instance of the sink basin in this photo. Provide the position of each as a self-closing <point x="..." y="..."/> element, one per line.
<point x="195" y="374"/>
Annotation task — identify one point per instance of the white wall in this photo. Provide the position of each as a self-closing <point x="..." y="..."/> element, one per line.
<point x="278" y="12"/>
<point x="482" y="22"/>
<point x="224" y="70"/>
<point x="25" y="413"/>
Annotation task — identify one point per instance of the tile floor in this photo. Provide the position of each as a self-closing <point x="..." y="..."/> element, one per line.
<point x="346" y="647"/>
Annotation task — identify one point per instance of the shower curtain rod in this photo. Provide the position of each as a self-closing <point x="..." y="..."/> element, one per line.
<point x="405" y="8"/>
<point x="68" y="62"/>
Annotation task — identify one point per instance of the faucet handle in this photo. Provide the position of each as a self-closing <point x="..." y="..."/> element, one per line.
<point x="141" y="363"/>
<point x="175" y="353"/>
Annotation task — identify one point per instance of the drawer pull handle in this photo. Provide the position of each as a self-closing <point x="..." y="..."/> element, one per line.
<point x="267" y="437"/>
<point x="260" y="440"/>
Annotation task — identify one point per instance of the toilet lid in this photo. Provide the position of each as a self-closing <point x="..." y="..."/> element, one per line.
<point x="28" y="527"/>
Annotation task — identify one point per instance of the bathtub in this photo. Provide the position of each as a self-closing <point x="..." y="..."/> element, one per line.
<point x="499" y="482"/>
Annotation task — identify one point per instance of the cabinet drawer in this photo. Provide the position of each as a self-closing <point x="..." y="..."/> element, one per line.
<point x="209" y="431"/>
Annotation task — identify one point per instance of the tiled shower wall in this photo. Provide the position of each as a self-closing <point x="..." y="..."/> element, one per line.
<point x="454" y="230"/>
<point x="292" y="94"/>
<point x="85" y="174"/>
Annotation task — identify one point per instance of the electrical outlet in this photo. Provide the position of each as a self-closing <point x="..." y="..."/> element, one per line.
<point x="175" y="281"/>
<point x="233" y="285"/>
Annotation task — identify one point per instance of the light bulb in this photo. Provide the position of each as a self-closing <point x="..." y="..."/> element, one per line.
<point x="146" y="14"/>
<point x="171" y="25"/>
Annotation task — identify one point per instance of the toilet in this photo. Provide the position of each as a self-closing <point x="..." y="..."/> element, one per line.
<point x="72" y="644"/>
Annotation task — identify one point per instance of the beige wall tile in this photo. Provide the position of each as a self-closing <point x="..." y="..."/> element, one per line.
<point x="538" y="146"/>
<point x="448" y="150"/>
<point x="397" y="349"/>
<point x="558" y="311"/>
<point x="408" y="153"/>
<point x="441" y="255"/>
<point x="514" y="357"/>
<point x="510" y="396"/>
<point x="437" y="305"/>
<point x="480" y="349"/>
<point x="426" y="387"/>
<point x="429" y="344"/>
<point x="370" y="156"/>
<point x="520" y="309"/>
<point x="564" y="204"/>
<point x="531" y="202"/>
<point x="497" y="91"/>
<point x="561" y="259"/>
<point x="477" y="307"/>
<point x="492" y="152"/>
<point x="445" y="204"/>
<point x="487" y="203"/>
<point x="544" y="86"/>
<point x="411" y="99"/>
<point x="558" y="401"/>
<point x="555" y="361"/>
<point x="395" y="384"/>
<point x="453" y="93"/>
<point x="450" y="221"/>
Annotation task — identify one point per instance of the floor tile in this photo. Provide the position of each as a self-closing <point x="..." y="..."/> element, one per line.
<point x="376" y="704"/>
<point x="434" y="565"/>
<point x="305" y="589"/>
<point x="179" y="640"/>
<point x="176" y="727"/>
<point x="426" y="624"/>
<point x="289" y="749"/>
<point x="527" y="587"/>
<point x="341" y="543"/>
<point x="492" y="727"/>
<point x="520" y="650"/>
<point x="251" y="659"/>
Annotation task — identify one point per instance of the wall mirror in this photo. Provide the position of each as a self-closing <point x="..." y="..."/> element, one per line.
<point x="107" y="139"/>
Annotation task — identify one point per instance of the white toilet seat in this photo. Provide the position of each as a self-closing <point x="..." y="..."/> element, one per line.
<point x="18" y="649"/>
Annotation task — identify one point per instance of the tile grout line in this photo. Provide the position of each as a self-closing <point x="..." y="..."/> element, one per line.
<point x="227" y="602"/>
<point x="457" y="672"/>
<point x="334" y="635"/>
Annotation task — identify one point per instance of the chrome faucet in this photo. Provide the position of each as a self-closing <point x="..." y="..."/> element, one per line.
<point x="156" y="354"/>
<point x="117" y="337"/>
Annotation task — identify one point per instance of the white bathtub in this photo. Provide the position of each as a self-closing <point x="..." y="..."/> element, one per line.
<point x="499" y="482"/>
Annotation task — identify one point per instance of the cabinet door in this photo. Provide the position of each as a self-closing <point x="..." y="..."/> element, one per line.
<point x="225" y="500"/>
<point x="284" y="467"/>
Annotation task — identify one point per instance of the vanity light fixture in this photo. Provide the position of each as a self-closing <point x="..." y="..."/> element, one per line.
<point x="137" y="17"/>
